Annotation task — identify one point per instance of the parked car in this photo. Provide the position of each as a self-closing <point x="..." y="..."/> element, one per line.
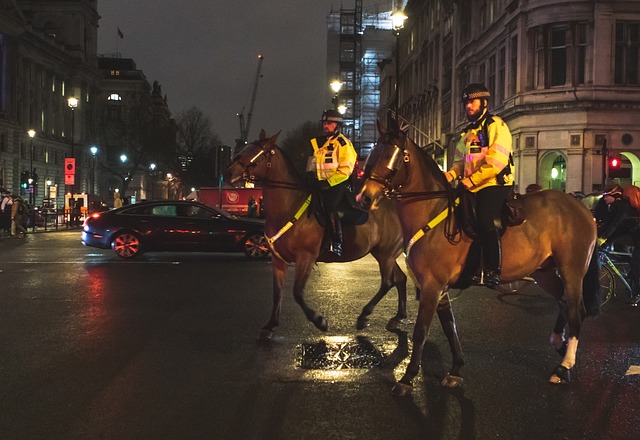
<point x="170" y="225"/>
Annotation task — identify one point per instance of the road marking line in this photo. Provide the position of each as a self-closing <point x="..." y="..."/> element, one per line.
<point x="633" y="369"/>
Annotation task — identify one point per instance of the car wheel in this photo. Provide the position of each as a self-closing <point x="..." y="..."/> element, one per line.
<point x="126" y="245"/>
<point x="256" y="246"/>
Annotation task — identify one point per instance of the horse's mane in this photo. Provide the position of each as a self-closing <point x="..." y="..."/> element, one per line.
<point x="435" y="169"/>
<point x="288" y="162"/>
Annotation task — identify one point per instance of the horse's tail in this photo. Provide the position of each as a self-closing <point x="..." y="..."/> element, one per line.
<point x="591" y="287"/>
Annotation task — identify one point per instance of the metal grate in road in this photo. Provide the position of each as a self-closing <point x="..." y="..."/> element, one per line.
<point x="339" y="354"/>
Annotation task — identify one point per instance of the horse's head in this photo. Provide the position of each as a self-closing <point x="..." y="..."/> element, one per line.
<point x="250" y="164"/>
<point x="381" y="169"/>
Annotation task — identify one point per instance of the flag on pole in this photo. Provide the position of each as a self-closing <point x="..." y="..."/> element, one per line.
<point x="120" y="34"/>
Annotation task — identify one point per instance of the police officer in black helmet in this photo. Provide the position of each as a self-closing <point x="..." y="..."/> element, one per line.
<point x="335" y="159"/>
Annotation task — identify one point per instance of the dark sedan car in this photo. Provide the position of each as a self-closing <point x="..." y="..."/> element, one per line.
<point x="173" y="226"/>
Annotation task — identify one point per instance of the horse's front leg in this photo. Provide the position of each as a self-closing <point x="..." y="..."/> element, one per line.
<point x="279" y="268"/>
<point x="453" y="379"/>
<point x="391" y="275"/>
<point x="428" y="303"/>
<point x="303" y="269"/>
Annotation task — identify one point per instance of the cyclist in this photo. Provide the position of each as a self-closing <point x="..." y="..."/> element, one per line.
<point x="616" y="218"/>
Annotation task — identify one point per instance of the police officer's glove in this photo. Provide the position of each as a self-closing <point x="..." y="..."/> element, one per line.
<point x="323" y="184"/>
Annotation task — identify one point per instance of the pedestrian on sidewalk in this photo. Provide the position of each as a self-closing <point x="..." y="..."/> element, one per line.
<point x="18" y="209"/>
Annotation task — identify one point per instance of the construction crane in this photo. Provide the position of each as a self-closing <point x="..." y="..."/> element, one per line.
<point x="244" y="128"/>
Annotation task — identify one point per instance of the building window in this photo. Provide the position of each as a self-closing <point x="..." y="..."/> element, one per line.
<point x="580" y="53"/>
<point x="114" y="113"/>
<point x="114" y="97"/>
<point x="626" y="62"/>
<point x="491" y="76"/>
<point x="558" y="56"/>
<point x="562" y="55"/>
<point x="347" y="51"/>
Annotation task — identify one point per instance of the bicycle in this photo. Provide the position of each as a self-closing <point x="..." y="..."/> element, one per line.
<point x="614" y="268"/>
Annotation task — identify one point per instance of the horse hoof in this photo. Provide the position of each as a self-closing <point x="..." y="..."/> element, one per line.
<point x="265" y="334"/>
<point x="393" y="324"/>
<point x="321" y="323"/>
<point x="560" y="376"/>
<point x="362" y="323"/>
<point x="401" y="389"/>
<point x="451" y="381"/>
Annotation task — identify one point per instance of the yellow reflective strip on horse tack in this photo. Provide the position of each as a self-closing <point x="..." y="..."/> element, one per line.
<point x="286" y="227"/>
<point x="432" y="224"/>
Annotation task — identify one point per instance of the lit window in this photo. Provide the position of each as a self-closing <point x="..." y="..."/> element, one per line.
<point x="114" y="97"/>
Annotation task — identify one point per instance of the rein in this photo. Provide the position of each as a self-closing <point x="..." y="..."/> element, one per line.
<point x="451" y="232"/>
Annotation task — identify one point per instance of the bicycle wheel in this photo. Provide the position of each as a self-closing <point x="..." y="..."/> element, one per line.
<point x="607" y="284"/>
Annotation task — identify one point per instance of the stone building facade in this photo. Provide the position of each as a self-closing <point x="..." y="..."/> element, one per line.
<point x="48" y="54"/>
<point x="565" y="76"/>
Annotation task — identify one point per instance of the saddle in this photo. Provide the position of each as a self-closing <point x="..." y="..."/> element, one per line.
<point x="465" y="218"/>
<point x="465" y="213"/>
<point x="348" y="210"/>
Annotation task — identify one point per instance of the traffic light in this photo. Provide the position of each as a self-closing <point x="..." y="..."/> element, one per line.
<point x="24" y="179"/>
<point x="616" y="171"/>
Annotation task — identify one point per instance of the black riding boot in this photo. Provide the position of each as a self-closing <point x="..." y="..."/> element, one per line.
<point x="336" y="234"/>
<point x="492" y="258"/>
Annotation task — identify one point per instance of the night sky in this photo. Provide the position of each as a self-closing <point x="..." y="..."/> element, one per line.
<point x="204" y="53"/>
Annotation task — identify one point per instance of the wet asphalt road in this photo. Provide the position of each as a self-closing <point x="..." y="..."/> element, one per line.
<point x="165" y="347"/>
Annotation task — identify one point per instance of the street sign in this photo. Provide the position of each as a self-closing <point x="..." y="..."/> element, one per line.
<point x="69" y="179"/>
<point x="69" y="167"/>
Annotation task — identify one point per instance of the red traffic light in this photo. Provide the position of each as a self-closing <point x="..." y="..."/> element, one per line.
<point x="614" y="162"/>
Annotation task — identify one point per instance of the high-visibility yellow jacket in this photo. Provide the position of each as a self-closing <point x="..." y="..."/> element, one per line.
<point x="483" y="160"/>
<point x="335" y="158"/>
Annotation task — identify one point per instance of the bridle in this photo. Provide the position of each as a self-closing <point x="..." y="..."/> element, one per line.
<point x="401" y="158"/>
<point x="266" y="152"/>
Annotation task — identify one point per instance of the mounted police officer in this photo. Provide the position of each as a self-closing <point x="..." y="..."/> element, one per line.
<point x="335" y="159"/>
<point x="482" y="164"/>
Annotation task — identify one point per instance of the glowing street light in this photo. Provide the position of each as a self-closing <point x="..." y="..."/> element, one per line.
<point x="397" y="20"/>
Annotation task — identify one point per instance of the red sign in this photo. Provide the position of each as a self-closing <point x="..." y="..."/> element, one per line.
<point x="69" y="179"/>
<point x="69" y="166"/>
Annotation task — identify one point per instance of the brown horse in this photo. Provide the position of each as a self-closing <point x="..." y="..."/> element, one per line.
<point x="555" y="244"/>
<point x="296" y="238"/>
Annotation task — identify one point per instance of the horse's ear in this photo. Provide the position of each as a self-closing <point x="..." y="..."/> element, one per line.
<point x="393" y="125"/>
<point x="381" y="128"/>
<point x="263" y="135"/>
<point x="274" y="138"/>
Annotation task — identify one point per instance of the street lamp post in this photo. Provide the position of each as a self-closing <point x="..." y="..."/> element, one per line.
<point x="397" y="19"/>
<point x="94" y="152"/>
<point x="31" y="134"/>
<point x="336" y="85"/>
<point x="73" y="103"/>
<point x="123" y="159"/>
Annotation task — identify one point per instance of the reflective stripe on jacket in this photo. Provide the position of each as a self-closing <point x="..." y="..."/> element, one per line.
<point x="482" y="160"/>
<point x="335" y="158"/>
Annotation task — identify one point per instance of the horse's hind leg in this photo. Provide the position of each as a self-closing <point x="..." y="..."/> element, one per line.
<point x="303" y="269"/>
<point x="279" y="268"/>
<point x="391" y="275"/>
<point x="569" y="296"/>
<point x="551" y="283"/>
<point x="453" y="379"/>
